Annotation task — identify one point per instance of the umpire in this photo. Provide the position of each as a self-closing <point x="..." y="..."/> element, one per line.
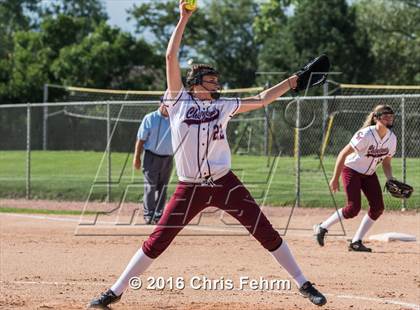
<point x="154" y="136"/>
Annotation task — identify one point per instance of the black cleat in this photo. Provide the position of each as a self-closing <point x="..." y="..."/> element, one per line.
<point x="358" y="246"/>
<point x="320" y="234"/>
<point x="309" y="291"/>
<point x="104" y="300"/>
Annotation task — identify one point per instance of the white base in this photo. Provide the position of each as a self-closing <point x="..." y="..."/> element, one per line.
<point x="393" y="236"/>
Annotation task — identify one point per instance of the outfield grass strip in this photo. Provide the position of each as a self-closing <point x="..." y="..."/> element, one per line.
<point x="44" y="211"/>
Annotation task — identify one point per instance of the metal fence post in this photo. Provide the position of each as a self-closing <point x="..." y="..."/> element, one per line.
<point x="108" y="150"/>
<point x="403" y="154"/>
<point x="297" y="152"/>
<point x="45" y="120"/>
<point x="266" y="131"/>
<point x="324" y="109"/>
<point x="28" y="151"/>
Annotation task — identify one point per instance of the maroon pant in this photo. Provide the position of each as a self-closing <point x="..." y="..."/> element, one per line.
<point x="228" y="194"/>
<point x="353" y="182"/>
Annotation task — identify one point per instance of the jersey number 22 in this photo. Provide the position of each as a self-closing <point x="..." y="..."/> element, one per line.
<point x="218" y="132"/>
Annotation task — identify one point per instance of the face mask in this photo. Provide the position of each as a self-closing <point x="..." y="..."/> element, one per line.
<point x="214" y="94"/>
<point x="389" y="126"/>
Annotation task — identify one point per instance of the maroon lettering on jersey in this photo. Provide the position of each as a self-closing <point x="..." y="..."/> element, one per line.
<point x="375" y="152"/>
<point x="359" y="136"/>
<point x="197" y="116"/>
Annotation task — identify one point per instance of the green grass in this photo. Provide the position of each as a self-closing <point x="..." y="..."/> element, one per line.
<point x="67" y="175"/>
<point x="43" y="211"/>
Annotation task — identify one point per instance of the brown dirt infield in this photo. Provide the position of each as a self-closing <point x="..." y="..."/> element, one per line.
<point x="44" y="265"/>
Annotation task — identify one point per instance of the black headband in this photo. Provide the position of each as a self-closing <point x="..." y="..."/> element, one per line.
<point x="386" y="112"/>
<point x="197" y="78"/>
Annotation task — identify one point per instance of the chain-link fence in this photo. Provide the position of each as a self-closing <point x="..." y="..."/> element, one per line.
<point x="316" y="150"/>
<point x="285" y="153"/>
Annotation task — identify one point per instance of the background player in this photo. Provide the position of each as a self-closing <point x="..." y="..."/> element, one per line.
<point x="375" y="143"/>
<point x="202" y="157"/>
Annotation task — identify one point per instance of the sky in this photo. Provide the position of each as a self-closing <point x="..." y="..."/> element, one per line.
<point x="116" y="10"/>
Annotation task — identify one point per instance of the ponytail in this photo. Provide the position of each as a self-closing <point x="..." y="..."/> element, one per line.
<point x="376" y="113"/>
<point x="370" y="120"/>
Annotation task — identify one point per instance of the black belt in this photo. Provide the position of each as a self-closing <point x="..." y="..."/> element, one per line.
<point x="161" y="156"/>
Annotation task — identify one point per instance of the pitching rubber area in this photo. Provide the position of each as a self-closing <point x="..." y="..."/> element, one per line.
<point x="51" y="262"/>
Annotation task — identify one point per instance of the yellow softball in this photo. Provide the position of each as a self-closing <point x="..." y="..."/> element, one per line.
<point x="191" y="5"/>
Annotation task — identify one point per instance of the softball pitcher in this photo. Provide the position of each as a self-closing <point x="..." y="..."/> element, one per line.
<point x="199" y="119"/>
<point x="357" y="162"/>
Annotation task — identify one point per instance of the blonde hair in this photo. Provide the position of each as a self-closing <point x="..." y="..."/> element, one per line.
<point x="377" y="112"/>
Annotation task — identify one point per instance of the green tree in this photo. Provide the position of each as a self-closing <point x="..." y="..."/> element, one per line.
<point x="12" y="19"/>
<point x="314" y="27"/>
<point x="93" y="10"/>
<point x="228" y="40"/>
<point x="63" y="30"/>
<point x="104" y="58"/>
<point x="31" y="36"/>
<point x="277" y="57"/>
<point x="272" y="17"/>
<point x="219" y="33"/>
<point x="393" y="27"/>
<point x="69" y="42"/>
<point x="156" y="18"/>
<point x="29" y="67"/>
<point x="34" y="52"/>
<point x="13" y="14"/>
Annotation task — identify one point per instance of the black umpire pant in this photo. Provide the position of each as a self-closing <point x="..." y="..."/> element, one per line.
<point x="157" y="171"/>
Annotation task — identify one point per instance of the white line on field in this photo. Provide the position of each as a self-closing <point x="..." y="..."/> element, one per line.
<point x="57" y="283"/>
<point x="105" y="224"/>
<point x="378" y="300"/>
<point x="112" y="225"/>
<point x="238" y="230"/>
<point x="338" y="296"/>
<point x="43" y="217"/>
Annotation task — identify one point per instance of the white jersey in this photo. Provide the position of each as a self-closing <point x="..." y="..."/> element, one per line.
<point x="370" y="150"/>
<point x="199" y="137"/>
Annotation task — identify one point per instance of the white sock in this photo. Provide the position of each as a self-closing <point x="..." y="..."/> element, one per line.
<point x="333" y="219"/>
<point x="137" y="265"/>
<point x="365" y="225"/>
<point x="285" y="258"/>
